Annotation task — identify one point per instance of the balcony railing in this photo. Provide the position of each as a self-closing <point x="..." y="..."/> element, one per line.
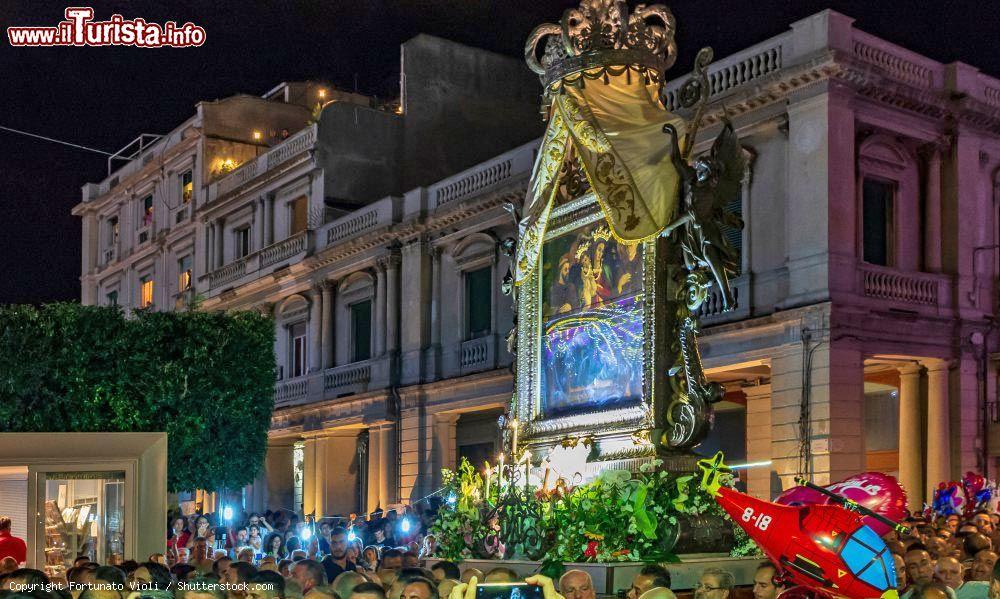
<point x="712" y="311"/>
<point x="354" y="377"/>
<point x="279" y="154"/>
<point x="502" y="170"/>
<point x="282" y="250"/>
<point x="293" y="391"/>
<point x="478" y="354"/>
<point x="228" y="273"/>
<point x="905" y="287"/>
<point x="109" y="255"/>
<point x="733" y="71"/>
<point x="896" y="61"/>
<point x="299" y="244"/>
<point x="376" y="216"/>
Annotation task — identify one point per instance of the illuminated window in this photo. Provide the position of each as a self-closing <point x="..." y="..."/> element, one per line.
<point x="184" y="273"/>
<point x="187" y="186"/>
<point x="147" y="210"/>
<point x="145" y="292"/>
<point x="298" y="357"/>
<point x="361" y="331"/>
<point x="478" y="304"/>
<point x="298" y="215"/>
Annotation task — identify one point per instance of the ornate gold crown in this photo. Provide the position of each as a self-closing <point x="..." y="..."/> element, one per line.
<point x="602" y="34"/>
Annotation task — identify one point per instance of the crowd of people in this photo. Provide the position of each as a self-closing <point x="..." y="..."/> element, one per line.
<point x="274" y="556"/>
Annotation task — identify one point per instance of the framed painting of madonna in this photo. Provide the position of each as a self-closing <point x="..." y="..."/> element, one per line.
<point x="586" y="319"/>
<point x="591" y="317"/>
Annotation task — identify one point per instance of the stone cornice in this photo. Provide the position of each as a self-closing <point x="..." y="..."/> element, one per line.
<point x="865" y="80"/>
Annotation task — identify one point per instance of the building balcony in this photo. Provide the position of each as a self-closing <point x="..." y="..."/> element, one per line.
<point x="376" y="216"/>
<point x="261" y="262"/>
<point x="270" y="161"/>
<point x="347" y="379"/>
<point x="924" y="293"/>
<point x="712" y="312"/>
<point x="479" y="354"/>
<point x="291" y="392"/>
<point x="333" y="383"/>
<point x="110" y="255"/>
<point x="493" y="175"/>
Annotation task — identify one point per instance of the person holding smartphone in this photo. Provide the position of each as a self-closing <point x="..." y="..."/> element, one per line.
<point x="533" y="587"/>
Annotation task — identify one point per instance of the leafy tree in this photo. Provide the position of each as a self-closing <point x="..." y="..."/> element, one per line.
<point x="206" y="378"/>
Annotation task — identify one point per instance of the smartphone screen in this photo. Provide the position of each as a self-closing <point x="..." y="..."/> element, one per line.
<point x="508" y="590"/>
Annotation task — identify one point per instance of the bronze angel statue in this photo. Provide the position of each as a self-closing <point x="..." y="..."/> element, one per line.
<point x="710" y="184"/>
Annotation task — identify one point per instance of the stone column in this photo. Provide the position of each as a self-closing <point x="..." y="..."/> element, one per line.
<point x="836" y="391"/>
<point x="436" y="311"/>
<point x="209" y="247"/>
<point x="315" y="328"/>
<point x="443" y="449"/>
<point x="910" y="436"/>
<point x="392" y="303"/>
<point x="379" y="309"/>
<point x="932" y="213"/>
<point x="340" y="494"/>
<point x="326" y="335"/>
<point x="311" y="473"/>
<point x="381" y="466"/>
<point x="938" y="426"/>
<point x="220" y="248"/>
<point x="758" y="428"/>
<point x="320" y="473"/>
<point x="269" y="218"/>
<point x="258" y="222"/>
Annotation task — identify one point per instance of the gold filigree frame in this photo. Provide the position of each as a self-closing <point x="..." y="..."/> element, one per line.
<point x="614" y="429"/>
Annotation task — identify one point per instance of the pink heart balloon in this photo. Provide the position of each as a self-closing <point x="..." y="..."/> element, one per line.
<point x="878" y="492"/>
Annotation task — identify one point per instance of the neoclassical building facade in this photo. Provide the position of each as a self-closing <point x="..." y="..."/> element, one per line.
<point x="863" y="334"/>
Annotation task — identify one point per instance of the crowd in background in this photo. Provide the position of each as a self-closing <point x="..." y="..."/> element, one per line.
<point x="276" y="556"/>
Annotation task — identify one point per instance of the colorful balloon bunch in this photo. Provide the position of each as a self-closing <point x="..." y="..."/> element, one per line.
<point x="962" y="498"/>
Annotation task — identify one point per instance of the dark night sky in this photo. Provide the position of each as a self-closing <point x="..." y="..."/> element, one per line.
<point x="104" y="97"/>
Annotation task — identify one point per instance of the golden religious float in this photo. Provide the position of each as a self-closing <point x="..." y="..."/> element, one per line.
<point x="623" y="232"/>
<point x="621" y="236"/>
<point x="102" y="495"/>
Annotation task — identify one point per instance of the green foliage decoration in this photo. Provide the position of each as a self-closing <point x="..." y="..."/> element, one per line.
<point x="205" y="378"/>
<point x="619" y="516"/>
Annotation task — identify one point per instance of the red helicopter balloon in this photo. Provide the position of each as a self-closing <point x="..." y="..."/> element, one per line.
<point x="823" y="546"/>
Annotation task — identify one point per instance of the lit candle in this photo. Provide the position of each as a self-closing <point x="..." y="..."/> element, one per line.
<point x="527" y="467"/>
<point x="500" y="475"/>
<point x="489" y="475"/>
<point x="545" y="479"/>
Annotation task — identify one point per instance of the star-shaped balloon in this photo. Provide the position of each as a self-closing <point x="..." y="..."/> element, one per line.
<point x="711" y="470"/>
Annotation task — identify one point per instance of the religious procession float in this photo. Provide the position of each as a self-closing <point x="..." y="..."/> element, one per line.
<point x="621" y="236"/>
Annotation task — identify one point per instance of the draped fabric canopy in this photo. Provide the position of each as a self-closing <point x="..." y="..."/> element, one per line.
<point x="614" y="123"/>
